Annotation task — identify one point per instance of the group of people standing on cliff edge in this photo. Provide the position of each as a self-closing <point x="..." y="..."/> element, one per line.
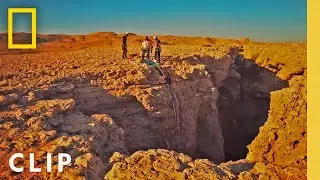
<point x="146" y="48"/>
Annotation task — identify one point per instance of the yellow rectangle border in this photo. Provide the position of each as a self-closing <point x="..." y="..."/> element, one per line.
<point x="33" y="12"/>
<point x="313" y="57"/>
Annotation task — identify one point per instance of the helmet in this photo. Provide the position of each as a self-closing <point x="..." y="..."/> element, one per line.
<point x="155" y="37"/>
<point x="127" y="33"/>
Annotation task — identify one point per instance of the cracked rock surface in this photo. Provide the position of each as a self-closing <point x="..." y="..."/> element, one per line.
<point x="119" y="119"/>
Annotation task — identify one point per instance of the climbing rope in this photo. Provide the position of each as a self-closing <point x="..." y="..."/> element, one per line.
<point x="175" y="101"/>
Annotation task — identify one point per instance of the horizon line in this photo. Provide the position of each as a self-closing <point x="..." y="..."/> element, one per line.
<point x="164" y="34"/>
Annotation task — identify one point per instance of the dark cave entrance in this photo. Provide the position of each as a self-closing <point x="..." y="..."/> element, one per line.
<point x="243" y="104"/>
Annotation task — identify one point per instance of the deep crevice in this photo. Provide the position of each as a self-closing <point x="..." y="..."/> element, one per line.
<point x="242" y="107"/>
<point x="243" y="103"/>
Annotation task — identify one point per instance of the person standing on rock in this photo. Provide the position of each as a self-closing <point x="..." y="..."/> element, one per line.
<point x="158" y="49"/>
<point x="124" y="46"/>
<point x="150" y="43"/>
<point x="145" y="48"/>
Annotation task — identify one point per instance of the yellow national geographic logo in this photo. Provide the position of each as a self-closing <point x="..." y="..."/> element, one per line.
<point x="33" y="12"/>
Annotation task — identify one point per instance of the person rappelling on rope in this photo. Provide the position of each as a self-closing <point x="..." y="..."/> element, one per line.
<point x="168" y="78"/>
<point x="158" y="49"/>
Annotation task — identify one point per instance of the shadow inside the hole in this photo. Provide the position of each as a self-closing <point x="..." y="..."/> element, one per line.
<point x="243" y="104"/>
<point x="208" y="136"/>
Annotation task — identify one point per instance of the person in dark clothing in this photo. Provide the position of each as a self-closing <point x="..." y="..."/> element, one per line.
<point x="124" y="46"/>
<point x="168" y="78"/>
<point x="158" y="49"/>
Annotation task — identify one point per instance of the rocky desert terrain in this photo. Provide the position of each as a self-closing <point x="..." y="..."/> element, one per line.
<point x="235" y="109"/>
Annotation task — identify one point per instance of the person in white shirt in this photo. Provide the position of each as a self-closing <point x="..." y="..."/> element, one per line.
<point x="145" y="48"/>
